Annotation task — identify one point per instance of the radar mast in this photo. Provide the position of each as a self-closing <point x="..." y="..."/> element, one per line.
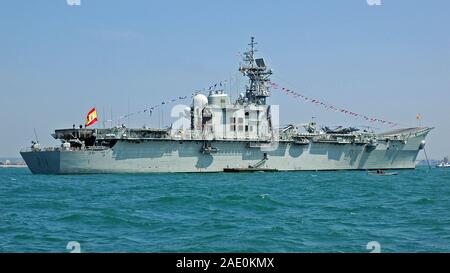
<point x="258" y="74"/>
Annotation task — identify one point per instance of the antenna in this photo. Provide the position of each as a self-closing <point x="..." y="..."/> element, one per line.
<point x="128" y="113"/>
<point x="159" y="118"/>
<point x="111" y="117"/>
<point x="104" y="117"/>
<point x="252" y="50"/>
<point x="35" y="135"/>
<point x="258" y="74"/>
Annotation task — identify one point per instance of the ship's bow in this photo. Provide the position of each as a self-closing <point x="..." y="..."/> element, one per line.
<point x="42" y="162"/>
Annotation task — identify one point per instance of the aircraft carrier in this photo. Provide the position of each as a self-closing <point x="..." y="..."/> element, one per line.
<point x="224" y="136"/>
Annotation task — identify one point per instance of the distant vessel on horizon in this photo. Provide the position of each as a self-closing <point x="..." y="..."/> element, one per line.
<point x="223" y="136"/>
<point x="444" y="163"/>
<point x="9" y="164"/>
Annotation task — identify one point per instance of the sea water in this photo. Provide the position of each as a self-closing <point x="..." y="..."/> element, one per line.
<point x="224" y="212"/>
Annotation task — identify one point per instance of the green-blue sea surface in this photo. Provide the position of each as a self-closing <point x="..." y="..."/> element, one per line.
<point x="225" y="212"/>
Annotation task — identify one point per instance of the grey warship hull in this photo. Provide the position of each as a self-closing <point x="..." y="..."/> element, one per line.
<point x="220" y="135"/>
<point x="148" y="156"/>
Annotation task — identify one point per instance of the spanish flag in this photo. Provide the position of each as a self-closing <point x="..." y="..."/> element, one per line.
<point x="91" y="117"/>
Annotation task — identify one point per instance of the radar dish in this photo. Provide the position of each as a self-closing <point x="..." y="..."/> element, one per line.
<point x="260" y="62"/>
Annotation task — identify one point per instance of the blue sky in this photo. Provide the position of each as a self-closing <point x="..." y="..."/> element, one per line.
<point x="57" y="61"/>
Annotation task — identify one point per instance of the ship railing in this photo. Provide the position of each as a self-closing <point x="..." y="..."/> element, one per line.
<point x="405" y="136"/>
<point x="130" y="133"/>
<point x="401" y="138"/>
<point x="41" y="149"/>
<point x="96" y="148"/>
<point x="182" y="134"/>
<point x="56" y="149"/>
<point x="26" y="150"/>
<point x="335" y="138"/>
<point x="300" y="140"/>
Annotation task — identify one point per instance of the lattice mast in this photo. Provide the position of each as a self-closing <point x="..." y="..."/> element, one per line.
<point x="258" y="74"/>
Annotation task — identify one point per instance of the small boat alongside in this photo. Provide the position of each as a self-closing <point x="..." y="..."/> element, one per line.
<point x="248" y="170"/>
<point x="382" y="173"/>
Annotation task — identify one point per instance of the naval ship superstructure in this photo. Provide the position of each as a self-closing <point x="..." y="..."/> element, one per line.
<point x="225" y="135"/>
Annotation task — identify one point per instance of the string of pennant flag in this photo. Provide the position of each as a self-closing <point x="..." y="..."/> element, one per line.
<point x="331" y="107"/>
<point x="151" y="109"/>
<point x="169" y="101"/>
<point x="220" y="84"/>
<point x="286" y="91"/>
